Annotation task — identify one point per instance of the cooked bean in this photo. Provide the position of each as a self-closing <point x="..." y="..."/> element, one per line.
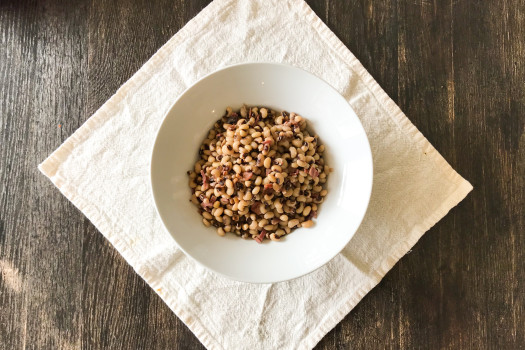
<point x="293" y="223"/>
<point x="269" y="215"/>
<point x="241" y="205"/>
<point x="308" y="223"/>
<point x="301" y="163"/>
<point x="297" y="142"/>
<point x="194" y="200"/>
<point x="307" y="210"/>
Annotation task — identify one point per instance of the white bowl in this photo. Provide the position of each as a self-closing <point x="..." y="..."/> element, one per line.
<point x="280" y="87"/>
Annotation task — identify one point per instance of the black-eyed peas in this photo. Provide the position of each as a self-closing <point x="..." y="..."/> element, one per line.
<point x="260" y="174"/>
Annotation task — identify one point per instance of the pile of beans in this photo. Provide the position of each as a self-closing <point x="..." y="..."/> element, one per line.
<point x="260" y="174"/>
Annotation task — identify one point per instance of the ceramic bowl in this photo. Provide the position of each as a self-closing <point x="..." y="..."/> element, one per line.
<point x="280" y="87"/>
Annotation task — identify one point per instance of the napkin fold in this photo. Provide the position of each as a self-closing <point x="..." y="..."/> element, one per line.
<point x="103" y="169"/>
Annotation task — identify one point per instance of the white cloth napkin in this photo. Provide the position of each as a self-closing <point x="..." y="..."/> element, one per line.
<point x="103" y="168"/>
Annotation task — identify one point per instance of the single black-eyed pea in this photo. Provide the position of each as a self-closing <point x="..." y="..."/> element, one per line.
<point x="307" y="224"/>
<point x="274" y="237"/>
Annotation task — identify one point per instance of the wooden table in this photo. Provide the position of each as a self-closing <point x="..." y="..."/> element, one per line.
<point x="457" y="69"/>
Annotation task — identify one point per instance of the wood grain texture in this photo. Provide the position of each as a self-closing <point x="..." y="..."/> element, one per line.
<point x="457" y="69"/>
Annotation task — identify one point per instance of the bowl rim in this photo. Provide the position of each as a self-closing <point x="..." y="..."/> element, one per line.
<point x="164" y="119"/>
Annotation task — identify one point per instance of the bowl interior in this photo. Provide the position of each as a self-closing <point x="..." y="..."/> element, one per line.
<point x="280" y="87"/>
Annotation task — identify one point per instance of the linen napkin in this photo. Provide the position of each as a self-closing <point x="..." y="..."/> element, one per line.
<point x="103" y="169"/>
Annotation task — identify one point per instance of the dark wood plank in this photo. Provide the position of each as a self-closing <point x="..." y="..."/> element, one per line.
<point x="456" y="68"/>
<point x="42" y="75"/>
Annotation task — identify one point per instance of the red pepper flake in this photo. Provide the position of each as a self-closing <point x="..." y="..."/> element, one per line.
<point x="267" y="186"/>
<point x="261" y="236"/>
<point x="206" y="205"/>
<point x="205" y="184"/>
<point x="255" y="207"/>
<point x="247" y="175"/>
<point x="313" y="172"/>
